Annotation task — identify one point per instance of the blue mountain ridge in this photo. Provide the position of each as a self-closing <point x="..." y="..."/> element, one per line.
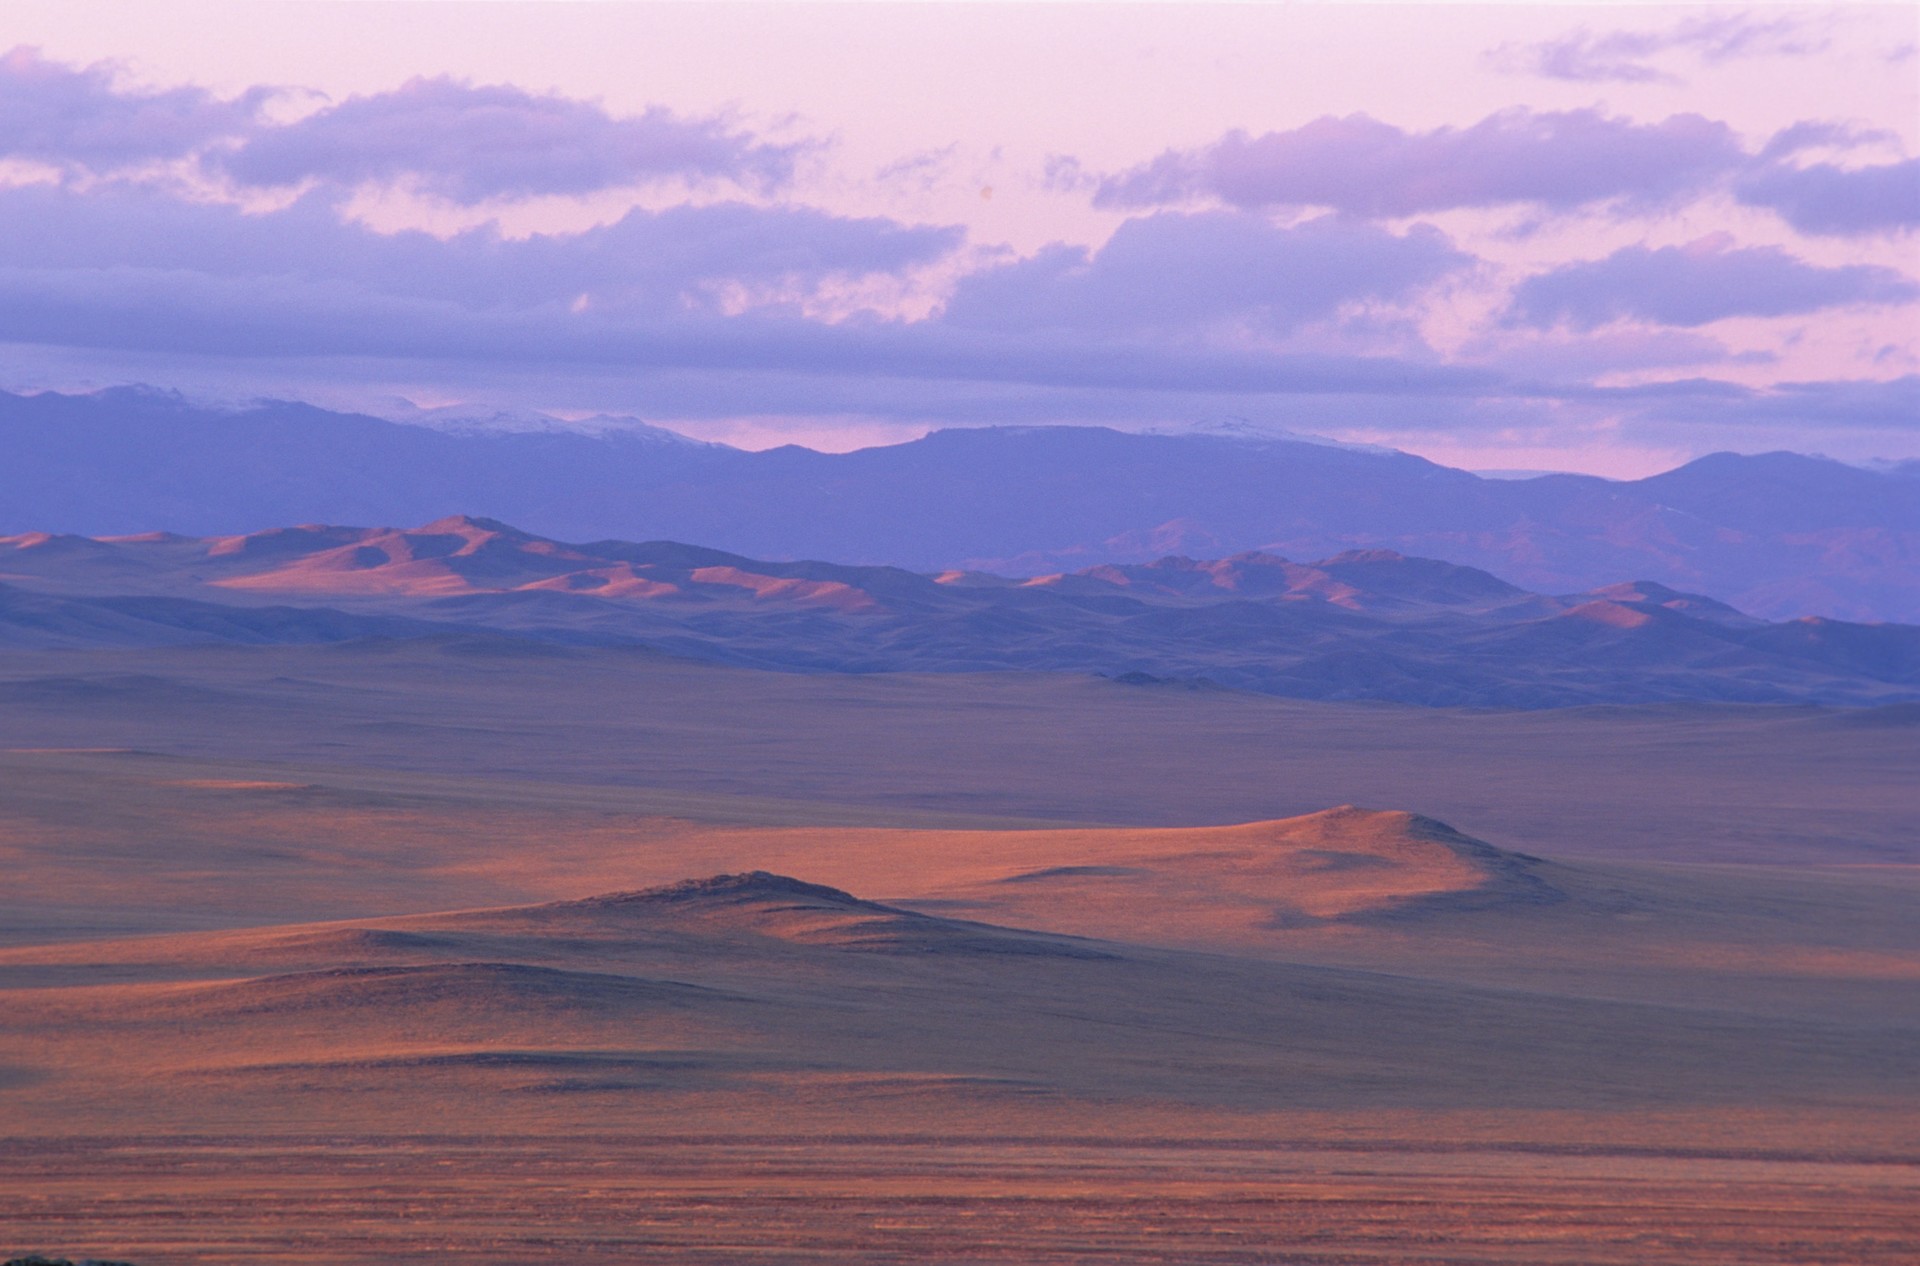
<point x="1780" y="535"/>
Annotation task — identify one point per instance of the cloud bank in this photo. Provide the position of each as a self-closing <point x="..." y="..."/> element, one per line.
<point x="83" y="118"/>
<point x="1586" y="56"/>
<point x="1182" y="276"/>
<point x="1361" y="166"/>
<point x="1557" y="161"/>
<point x="461" y="142"/>
<point x="1295" y="272"/>
<point x="1693" y="285"/>
<point x="470" y="144"/>
<point x="1830" y="200"/>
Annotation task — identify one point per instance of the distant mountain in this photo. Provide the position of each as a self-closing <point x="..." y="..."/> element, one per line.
<point x="1778" y="534"/>
<point x="1363" y="624"/>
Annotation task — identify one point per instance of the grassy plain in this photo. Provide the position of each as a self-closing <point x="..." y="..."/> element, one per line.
<point x="309" y="956"/>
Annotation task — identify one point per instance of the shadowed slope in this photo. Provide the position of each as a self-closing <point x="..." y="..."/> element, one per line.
<point x="1360" y="625"/>
<point x="1387" y="891"/>
<point x="1776" y="533"/>
<point x="764" y="985"/>
<point x="680" y="1063"/>
<point x="772" y="907"/>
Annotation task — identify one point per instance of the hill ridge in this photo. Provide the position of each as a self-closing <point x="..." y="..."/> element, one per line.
<point x="1780" y="535"/>
<point x="738" y="886"/>
<point x="1371" y="624"/>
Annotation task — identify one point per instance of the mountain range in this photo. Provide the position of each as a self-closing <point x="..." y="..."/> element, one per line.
<point x="1780" y="535"/>
<point x="1358" y="625"/>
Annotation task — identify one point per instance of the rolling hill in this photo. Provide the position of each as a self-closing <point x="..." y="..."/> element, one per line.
<point x="1363" y="624"/>
<point x="1778" y="534"/>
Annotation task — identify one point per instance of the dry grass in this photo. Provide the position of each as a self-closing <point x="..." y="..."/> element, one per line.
<point x="261" y="1006"/>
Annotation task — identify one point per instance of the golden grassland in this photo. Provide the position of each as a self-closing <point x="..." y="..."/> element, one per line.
<point x="304" y="962"/>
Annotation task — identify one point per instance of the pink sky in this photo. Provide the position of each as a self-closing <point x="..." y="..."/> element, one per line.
<point x="1426" y="276"/>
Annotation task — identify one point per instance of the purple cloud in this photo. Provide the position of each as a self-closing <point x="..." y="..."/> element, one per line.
<point x="1836" y="201"/>
<point x="1892" y="403"/>
<point x="82" y="118"/>
<point x="462" y="142"/>
<point x="469" y="144"/>
<point x="1186" y="273"/>
<point x="132" y="273"/>
<point x="1818" y="134"/>
<point x="1693" y="285"/>
<point x="131" y="269"/>
<point x="1889" y="404"/>
<point x="1561" y="355"/>
<point x="1161" y="323"/>
<point x="1584" y="56"/>
<point x="658" y="261"/>
<point x="1362" y="166"/>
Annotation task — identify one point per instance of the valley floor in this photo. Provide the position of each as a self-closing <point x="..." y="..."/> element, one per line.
<point x="352" y="956"/>
<point x="584" y="1199"/>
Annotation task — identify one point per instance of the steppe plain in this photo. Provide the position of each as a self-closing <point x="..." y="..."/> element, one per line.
<point x="414" y="949"/>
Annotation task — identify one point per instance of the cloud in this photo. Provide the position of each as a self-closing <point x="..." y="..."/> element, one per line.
<point x="922" y="171"/>
<point x="1584" y="56"/>
<point x="152" y="310"/>
<point x="1361" y="166"/>
<point x="464" y="143"/>
<point x="128" y="275"/>
<point x="85" y="119"/>
<point x="1888" y="405"/>
<point x="469" y="144"/>
<point x="1693" y="285"/>
<point x="708" y="311"/>
<point x="670" y="261"/>
<point x="1192" y="274"/>
<point x="1893" y="403"/>
<point x="1829" y="200"/>
<point x="1563" y="161"/>
<point x="132" y="269"/>
<point x="1820" y="134"/>
<point x="1558" y="354"/>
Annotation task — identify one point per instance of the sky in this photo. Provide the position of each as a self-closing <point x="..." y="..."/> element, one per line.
<point x="1598" y="238"/>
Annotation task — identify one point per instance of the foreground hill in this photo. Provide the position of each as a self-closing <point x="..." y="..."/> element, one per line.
<point x="750" y="984"/>
<point x="1359" y="625"/>
<point x="1146" y="1046"/>
<point x="1778" y="534"/>
<point x="749" y="1066"/>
